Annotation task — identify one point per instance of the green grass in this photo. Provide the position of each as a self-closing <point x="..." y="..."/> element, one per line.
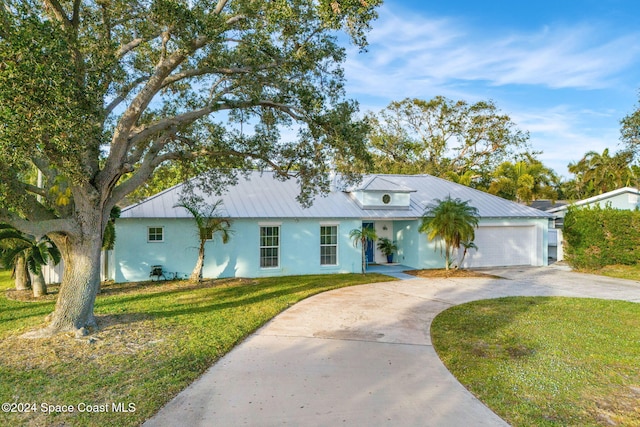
<point x="547" y="361"/>
<point x="631" y="272"/>
<point x="154" y="340"/>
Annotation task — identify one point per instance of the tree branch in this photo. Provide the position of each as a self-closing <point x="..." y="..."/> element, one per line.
<point x="38" y="228"/>
<point x="140" y="176"/>
<point x="123" y="94"/>
<point x="293" y="112"/>
<point x="164" y="124"/>
<point x="142" y="100"/>
<point x="75" y="20"/>
<point x="44" y="166"/>
<point x="235" y="19"/>
<point x="221" y="4"/>
<point x="128" y="47"/>
<point x="58" y="12"/>
<point x="35" y="190"/>
<point x="123" y="50"/>
<point x="204" y="71"/>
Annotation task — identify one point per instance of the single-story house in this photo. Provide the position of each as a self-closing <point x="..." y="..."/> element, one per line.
<point x="274" y="235"/>
<point x="626" y="198"/>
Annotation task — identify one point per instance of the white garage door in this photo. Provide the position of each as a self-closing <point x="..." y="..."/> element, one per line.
<point x="503" y="246"/>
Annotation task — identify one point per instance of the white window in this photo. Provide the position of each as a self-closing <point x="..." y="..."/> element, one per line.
<point x="270" y="247"/>
<point x="328" y="245"/>
<point x="155" y="234"/>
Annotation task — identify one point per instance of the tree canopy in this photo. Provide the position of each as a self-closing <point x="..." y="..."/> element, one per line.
<point x="598" y="173"/>
<point x="451" y="139"/>
<point x="452" y="222"/>
<point x="98" y="95"/>
<point x="630" y="130"/>
<point x="524" y="181"/>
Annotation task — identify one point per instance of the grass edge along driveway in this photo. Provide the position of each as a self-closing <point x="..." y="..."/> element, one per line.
<point x="546" y="361"/>
<point x="155" y="338"/>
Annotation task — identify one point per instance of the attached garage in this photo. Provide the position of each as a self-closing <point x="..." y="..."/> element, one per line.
<point x="316" y="239"/>
<point x="504" y="246"/>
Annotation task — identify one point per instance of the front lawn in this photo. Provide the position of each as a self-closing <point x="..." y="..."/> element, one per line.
<point x="547" y="361"/>
<point x="155" y="339"/>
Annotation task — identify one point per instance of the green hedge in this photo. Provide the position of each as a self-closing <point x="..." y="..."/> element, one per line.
<point x="595" y="237"/>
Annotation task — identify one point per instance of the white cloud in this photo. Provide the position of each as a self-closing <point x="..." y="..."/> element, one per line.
<point x="539" y="77"/>
<point x="565" y="134"/>
<point x="411" y="53"/>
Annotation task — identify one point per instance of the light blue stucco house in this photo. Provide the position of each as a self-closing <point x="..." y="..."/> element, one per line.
<point x="273" y="235"/>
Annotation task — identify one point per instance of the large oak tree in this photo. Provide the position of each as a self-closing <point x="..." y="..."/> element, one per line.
<point x="450" y="139"/>
<point x="96" y="95"/>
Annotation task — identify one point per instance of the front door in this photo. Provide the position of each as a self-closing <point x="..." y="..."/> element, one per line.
<point x="369" y="250"/>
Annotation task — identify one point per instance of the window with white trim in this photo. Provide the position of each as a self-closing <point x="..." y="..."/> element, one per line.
<point x="269" y="247"/>
<point x="328" y="245"/>
<point x="155" y="234"/>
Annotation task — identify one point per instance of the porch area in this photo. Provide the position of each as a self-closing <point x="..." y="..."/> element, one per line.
<point x="394" y="270"/>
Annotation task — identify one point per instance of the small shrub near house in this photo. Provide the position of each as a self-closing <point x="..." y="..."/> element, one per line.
<point x="596" y="237"/>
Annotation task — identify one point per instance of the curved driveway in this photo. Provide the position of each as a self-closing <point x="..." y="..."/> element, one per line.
<point x="362" y="356"/>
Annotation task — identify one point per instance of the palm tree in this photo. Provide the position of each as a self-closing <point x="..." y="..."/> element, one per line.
<point x="208" y="223"/>
<point x="21" y="248"/>
<point x="363" y="236"/>
<point x="524" y="181"/>
<point x="453" y="222"/>
<point x="598" y="173"/>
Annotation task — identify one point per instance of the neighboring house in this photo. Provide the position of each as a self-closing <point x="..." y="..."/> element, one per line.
<point x="273" y="235"/>
<point x="626" y="198"/>
<point x="555" y="235"/>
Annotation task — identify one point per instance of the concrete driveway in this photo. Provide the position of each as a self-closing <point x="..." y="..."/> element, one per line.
<point x="362" y="356"/>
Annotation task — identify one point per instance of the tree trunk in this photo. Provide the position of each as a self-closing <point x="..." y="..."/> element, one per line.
<point x="364" y="260"/>
<point x="79" y="287"/>
<point x="447" y="258"/>
<point x="196" y="274"/>
<point x="39" y="285"/>
<point x="23" y="282"/>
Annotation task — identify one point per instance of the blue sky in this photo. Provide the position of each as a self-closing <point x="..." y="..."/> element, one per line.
<point x="566" y="71"/>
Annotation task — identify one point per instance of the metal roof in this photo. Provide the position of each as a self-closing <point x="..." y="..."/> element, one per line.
<point x="377" y="183"/>
<point x="261" y="196"/>
<point x="595" y="199"/>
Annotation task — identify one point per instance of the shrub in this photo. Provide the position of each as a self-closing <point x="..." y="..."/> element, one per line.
<point x="595" y="237"/>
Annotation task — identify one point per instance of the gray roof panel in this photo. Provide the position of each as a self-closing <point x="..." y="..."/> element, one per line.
<point x="377" y="183"/>
<point x="260" y="195"/>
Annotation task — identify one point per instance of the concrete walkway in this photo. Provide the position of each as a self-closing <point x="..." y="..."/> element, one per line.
<point x="362" y="356"/>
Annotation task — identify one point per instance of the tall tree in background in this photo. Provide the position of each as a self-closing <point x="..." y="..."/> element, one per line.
<point x="98" y="95"/>
<point x="453" y="140"/>
<point x="597" y="173"/>
<point x="630" y="131"/>
<point x="524" y="181"/>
